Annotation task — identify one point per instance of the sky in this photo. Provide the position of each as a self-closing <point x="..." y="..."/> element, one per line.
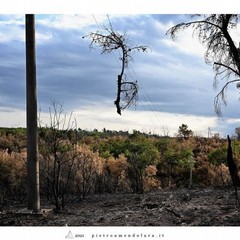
<point x="175" y="83"/>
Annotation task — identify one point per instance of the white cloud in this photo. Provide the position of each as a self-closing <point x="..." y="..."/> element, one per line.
<point x="99" y="116"/>
<point x="235" y="34"/>
<point x="233" y="120"/>
<point x="12" y="117"/>
<point x="185" y="42"/>
<point x="12" y="28"/>
<point x="71" y="21"/>
<point x="12" y="19"/>
<point x="162" y="27"/>
<point x="11" y="33"/>
<point x="43" y="37"/>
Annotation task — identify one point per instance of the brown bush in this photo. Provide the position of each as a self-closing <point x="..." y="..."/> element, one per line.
<point x="13" y="175"/>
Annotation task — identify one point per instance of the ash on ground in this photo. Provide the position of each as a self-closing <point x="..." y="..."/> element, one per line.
<point x="179" y="207"/>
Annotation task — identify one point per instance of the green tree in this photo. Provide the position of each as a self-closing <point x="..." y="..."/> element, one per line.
<point x="167" y="160"/>
<point x="187" y="161"/>
<point x="140" y="154"/>
<point x="217" y="158"/>
<point x="162" y="145"/>
<point x="184" y="132"/>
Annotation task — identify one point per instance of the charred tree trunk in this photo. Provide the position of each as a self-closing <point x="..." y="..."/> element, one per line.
<point x="231" y="165"/>
<point x="117" y="101"/>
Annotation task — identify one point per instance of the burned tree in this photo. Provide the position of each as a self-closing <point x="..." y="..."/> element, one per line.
<point x="110" y="40"/>
<point x="233" y="170"/>
<point x="59" y="156"/>
<point x="215" y="32"/>
<point x="231" y="165"/>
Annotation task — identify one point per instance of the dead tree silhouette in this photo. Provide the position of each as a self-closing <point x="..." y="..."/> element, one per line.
<point x="233" y="169"/>
<point x="231" y="165"/>
<point x="110" y="40"/>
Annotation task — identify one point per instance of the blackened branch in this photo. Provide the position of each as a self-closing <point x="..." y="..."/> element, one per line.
<point x="127" y="91"/>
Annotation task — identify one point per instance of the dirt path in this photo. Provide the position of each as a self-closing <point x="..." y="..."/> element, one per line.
<point x="181" y="207"/>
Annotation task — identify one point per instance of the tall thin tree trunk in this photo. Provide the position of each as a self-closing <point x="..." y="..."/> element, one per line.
<point x="233" y="170"/>
<point x="231" y="165"/>
<point x="190" y="178"/>
<point x="32" y="143"/>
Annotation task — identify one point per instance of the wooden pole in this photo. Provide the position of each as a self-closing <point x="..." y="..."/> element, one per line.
<point x="31" y="101"/>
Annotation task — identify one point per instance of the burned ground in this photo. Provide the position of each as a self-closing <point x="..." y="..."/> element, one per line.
<point x="179" y="207"/>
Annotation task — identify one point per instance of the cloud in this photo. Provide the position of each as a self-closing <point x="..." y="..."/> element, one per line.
<point x="173" y="77"/>
<point x="99" y="117"/>
<point x="12" y="117"/>
<point x="70" y="22"/>
<point x="11" y="29"/>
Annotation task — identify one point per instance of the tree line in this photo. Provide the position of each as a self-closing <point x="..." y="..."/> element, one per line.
<point x="75" y="163"/>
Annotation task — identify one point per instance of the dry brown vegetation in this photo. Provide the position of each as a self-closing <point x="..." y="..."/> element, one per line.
<point x="88" y="170"/>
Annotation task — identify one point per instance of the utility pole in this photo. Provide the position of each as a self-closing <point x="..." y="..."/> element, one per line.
<point x="31" y="101"/>
<point x="209" y="132"/>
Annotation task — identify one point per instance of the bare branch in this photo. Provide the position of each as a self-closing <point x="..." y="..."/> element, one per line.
<point x="221" y="97"/>
<point x="112" y="40"/>
<point x="172" y="31"/>
<point x="221" y="51"/>
<point x="227" y="67"/>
